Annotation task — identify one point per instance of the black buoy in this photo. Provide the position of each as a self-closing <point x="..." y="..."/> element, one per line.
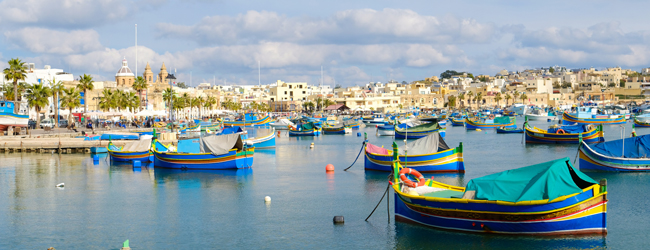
<point x="339" y="219"/>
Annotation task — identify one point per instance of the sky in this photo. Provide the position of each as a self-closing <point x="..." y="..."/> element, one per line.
<point x="355" y="42"/>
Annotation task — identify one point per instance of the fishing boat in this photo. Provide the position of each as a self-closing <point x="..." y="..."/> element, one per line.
<point x="516" y="109"/>
<point x="386" y="130"/>
<point x="641" y="124"/>
<point x="119" y="136"/>
<point x="404" y="132"/>
<point x="351" y="124"/>
<point x="264" y="138"/>
<point x="457" y="122"/>
<point x="248" y="122"/>
<point x="510" y="130"/>
<point x="589" y="115"/>
<point x="539" y="115"/>
<point x="565" y="134"/>
<point x="551" y="198"/>
<point x="195" y="128"/>
<point x="375" y="119"/>
<point x="428" y="154"/>
<point x="622" y="155"/>
<point x="215" y="152"/>
<point x="335" y="129"/>
<point x="134" y="151"/>
<point x="305" y="129"/>
<point x="490" y="123"/>
<point x="10" y="119"/>
<point x="281" y="124"/>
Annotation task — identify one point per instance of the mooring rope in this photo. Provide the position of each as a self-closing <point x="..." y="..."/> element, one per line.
<point x="355" y="160"/>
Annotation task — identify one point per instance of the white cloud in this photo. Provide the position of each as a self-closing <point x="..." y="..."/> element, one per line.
<point x="64" y="13"/>
<point x="364" y="26"/>
<point x="39" y="40"/>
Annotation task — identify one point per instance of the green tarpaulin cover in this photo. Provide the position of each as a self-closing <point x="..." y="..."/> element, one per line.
<point x="547" y="180"/>
<point x="502" y="120"/>
<point x="307" y="126"/>
<point x="423" y="127"/>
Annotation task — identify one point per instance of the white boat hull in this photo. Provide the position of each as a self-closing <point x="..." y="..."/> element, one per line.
<point x="384" y="132"/>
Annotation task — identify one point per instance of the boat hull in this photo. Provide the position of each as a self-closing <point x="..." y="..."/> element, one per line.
<point x="471" y="125"/>
<point x="539" y="117"/>
<point x="592" y="136"/>
<point x="417" y="135"/>
<point x="9" y="119"/>
<point x="204" y="161"/>
<point x="258" y="122"/>
<point x="334" y="131"/>
<point x="450" y="161"/>
<point x="143" y="156"/>
<point x="312" y="132"/>
<point x="590" y="160"/>
<point x="509" y="131"/>
<point x="570" y="119"/>
<point x="457" y="123"/>
<point x="267" y="141"/>
<point x="386" y="132"/>
<point x="641" y="124"/>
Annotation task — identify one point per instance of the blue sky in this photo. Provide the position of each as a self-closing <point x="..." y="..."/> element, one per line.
<point x="354" y="41"/>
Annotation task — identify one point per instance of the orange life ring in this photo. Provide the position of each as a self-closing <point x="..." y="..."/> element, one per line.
<point x="560" y="130"/>
<point x="415" y="173"/>
<point x="491" y="117"/>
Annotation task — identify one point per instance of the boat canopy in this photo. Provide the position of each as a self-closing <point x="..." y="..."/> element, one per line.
<point x="570" y="129"/>
<point x="307" y="126"/>
<point x="138" y="146"/>
<point x="221" y="144"/>
<point x="635" y="147"/>
<point x="502" y="120"/>
<point x="548" y="180"/>
<point x="426" y="145"/>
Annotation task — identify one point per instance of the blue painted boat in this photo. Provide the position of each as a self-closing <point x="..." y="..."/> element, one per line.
<point x="265" y="138"/>
<point x="119" y="136"/>
<point x="333" y="130"/>
<point x="134" y="151"/>
<point x="503" y="121"/>
<point x="386" y="130"/>
<point x="418" y="131"/>
<point x="551" y="198"/>
<point x="457" y="122"/>
<point x="351" y="124"/>
<point x="428" y="154"/>
<point x="10" y="119"/>
<point x="305" y="129"/>
<point x="641" y="124"/>
<point x="589" y="115"/>
<point x="622" y="155"/>
<point x="249" y="122"/>
<point x="217" y="152"/>
<point x="510" y="130"/>
<point x="565" y="134"/>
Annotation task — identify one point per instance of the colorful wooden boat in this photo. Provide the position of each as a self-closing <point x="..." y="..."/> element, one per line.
<point x="510" y="130"/>
<point x="457" y="122"/>
<point x="424" y="155"/>
<point x="10" y="119"/>
<point x="595" y="119"/>
<point x="386" y="130"/>
<point x="622" y="155"/>
<point x="249" y="123"/>
<point x="265" y="138"/>
<point x="503" y="121"/>
<point x="565" y="134"/>
<point x="551" y="198"/>
<point x="135" y="151"/>
<point x="336" y="129"/>
<point x="641" y="124"/>
<point x="195" y="128"/>
<point x="305" y="129"/>
<point x="219" y="157"/>
<point x="351" y="124"/>
<point x="419" y="131"/>
<point x="119" y="136"/>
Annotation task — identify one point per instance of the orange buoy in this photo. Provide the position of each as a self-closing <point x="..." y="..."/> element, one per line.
<point x="329" y="168"/>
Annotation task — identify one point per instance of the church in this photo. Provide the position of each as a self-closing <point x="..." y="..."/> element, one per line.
<point x="124" y="79"/>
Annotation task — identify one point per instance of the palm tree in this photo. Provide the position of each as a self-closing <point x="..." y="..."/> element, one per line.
<point x="478" y="98"/>
<point x="139" y="85"/>
<point x="16" y="71"/>
<point x="132" y="101"/>
<point x="38" y="97"/>
<point x="57" y="89"/>
<point x="328" y="102"/>
<point x="168" y="95"/>
<point x="108" y="101"/>
<point x="85" y="84"/>
<point x="71" y="99"/>
<point x="508" y="97"/>
<point x="253" y="105"/>
<point x="319" y="102"/>
<point x="516" y="96"/>
<point x="523" y="98"/>
<point x="200" y="102"/>
<point x="210" y="102"/>
<point x="469" y="98"/>
<point x="187" y="100"/>
<point x="452" y="101"/>
<point x="309" y="106"/>
<point x="461" y="97"/>
<point x="497" y="97"/>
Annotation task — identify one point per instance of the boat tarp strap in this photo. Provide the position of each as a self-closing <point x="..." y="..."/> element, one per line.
<point x="138" y="146"/>
<point x="426" y="145"/>
<point x="635" y="147"/>
<point x="502" y="120"/>
<point x="220" y="144"/>
<point x="548" y="180"/>
<point x="376" y="149"/>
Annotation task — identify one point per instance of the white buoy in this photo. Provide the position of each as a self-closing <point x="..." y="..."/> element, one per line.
<point x="312" y="145"/>
<point x="267" y="199"/>
<point x="60" y="184"/>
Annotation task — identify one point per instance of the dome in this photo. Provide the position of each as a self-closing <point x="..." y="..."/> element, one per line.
<point x="125" y="71"/>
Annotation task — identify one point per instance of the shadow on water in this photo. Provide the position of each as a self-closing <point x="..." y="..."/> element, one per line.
<point x="411" y="236"/>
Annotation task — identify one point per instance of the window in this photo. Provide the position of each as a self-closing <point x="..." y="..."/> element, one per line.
<point x="303" y="92"/>
<point x="285" y="92"/>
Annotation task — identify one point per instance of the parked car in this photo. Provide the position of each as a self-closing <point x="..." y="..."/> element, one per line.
<point x="63" y="123"/>
<point x="47" y="123"/>
<point x="31" y="124"/>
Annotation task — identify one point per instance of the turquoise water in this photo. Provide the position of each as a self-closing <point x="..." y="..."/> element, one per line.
<point x="103" y="205"/>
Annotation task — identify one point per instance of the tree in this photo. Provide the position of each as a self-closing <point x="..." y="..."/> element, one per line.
<point x="508" y="97"/>
<point x="107" y="101"/>
<point x="461" y="97"/>
<point x="319" y="102"/>
<point x="479" y="97"/>
<point x="85" y="84"/>
<point x="566" y="85"/>
<point x="17" y="71"/>
<point x="622" y="83"/>
<point x="199" y="103"/>
<point x="551" y="70"/>
<point x="404" y="82"/>
<point x="470" y="75"/>
<point x="448" y="74"/>
<point x="210" y="101"/>
<point x="139" y="85"/>
<point x="611" y="84"/>
<point x="168" y="96"/>
<point x="515" y="96"/>
<point x="523" y="97"/>
<point x="452" y="101"/>
<point x="181" y="85"/>
<point x="483" y="78"/>
<point x="328" y="102"/>
<point x="469" y="98"/>
<point x="556" y="85"/>
<point x="38" y="97"/>
<point x="497" y="97"/>
<point x="71" y="99"/>
<point x="337" y="86"/>
<point x="57" y="89"/>
<point x="132" y="101"/>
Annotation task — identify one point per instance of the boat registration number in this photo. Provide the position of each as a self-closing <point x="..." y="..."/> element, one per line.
<point x="539" y="135"/>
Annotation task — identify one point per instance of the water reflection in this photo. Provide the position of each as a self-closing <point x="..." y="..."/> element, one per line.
<point x="411" y="236"/>
<point x="234" y="179"/>
<point x="374" y="178"/>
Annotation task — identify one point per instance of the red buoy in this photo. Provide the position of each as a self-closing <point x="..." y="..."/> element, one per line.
<point x="329" y="168"/>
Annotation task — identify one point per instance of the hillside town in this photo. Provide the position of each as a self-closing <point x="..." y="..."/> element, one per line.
<point x="544" y="87"/>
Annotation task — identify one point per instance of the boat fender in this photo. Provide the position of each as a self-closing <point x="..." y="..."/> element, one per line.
<point x="491" y="117"/>
<point x="415" y="173"/>
<point x="560" y="131"/>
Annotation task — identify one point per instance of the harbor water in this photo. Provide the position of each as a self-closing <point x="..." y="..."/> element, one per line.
<point x="104" y="204"/>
